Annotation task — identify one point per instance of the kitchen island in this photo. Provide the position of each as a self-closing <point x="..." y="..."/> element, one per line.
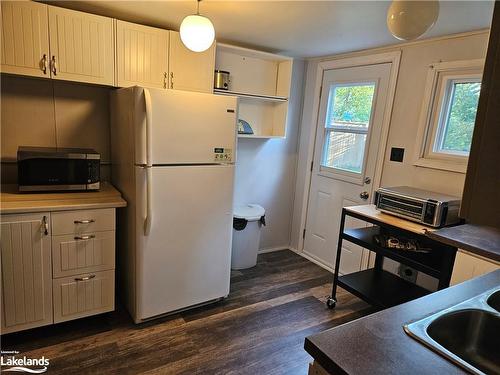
<point x="377" y="344"/>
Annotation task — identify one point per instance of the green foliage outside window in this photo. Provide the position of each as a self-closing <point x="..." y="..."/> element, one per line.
<point x="462" y="116"/>
<point x="352" y="103"/>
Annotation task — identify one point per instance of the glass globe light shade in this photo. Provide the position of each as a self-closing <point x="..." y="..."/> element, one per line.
<point x="197" y="33"/>
<point x="408" y="20"/>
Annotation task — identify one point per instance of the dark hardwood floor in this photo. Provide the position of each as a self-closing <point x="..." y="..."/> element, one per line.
<point x="259" y="329"/>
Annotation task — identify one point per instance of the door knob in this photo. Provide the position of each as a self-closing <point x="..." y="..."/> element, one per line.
<point x="364" y="195"/>
<point x="367" y="180"/>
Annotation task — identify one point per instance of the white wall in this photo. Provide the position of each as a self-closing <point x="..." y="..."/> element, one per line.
<point x="415" y="60"/>
<point x="265" y="171"/>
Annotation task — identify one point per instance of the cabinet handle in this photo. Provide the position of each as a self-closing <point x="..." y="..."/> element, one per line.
<point x="84" y="221"/>
<point x="86" y="278"/>
<point x="171" y="80"/>
<point x="45" y="226"/>
<point x="44" y="64"/>
<point x="85" y="237"/>
<point x="165" y="79"/>
<point x="54" y="65"/>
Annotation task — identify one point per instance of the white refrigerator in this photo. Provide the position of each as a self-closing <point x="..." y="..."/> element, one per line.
<point x="173" y="155"/>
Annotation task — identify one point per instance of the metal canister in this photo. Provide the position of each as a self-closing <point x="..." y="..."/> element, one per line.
<point x="221" y="80"/>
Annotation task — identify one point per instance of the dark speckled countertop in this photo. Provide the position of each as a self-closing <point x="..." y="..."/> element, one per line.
<point x="377" y="344"/>
<point x="480" y="240"/>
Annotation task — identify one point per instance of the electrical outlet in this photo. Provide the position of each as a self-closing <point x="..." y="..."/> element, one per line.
<point x="407" y="273"/>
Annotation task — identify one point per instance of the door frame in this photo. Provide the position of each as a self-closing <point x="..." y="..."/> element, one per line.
<point x="348" y="62"/>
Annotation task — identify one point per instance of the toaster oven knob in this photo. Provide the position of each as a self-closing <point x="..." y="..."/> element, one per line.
<point x="364" y="195"/>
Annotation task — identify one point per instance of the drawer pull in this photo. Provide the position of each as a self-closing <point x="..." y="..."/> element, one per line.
<point x="84" y="221"/>
<point x="86" y="237"/>
<point x="86" y="278"/>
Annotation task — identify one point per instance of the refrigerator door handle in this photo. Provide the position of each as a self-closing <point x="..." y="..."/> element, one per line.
<point x="149" y="162"/>
<point x="149" y="211"/>
<point x="149" y="133"/>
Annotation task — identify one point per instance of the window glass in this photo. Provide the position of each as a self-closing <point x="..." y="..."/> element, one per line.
<point x="347" y="122"/>
<point x="457" y="123"/>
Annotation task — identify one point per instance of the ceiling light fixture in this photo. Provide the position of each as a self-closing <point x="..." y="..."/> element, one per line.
<point x="197" y="32"/>
<point x="408" y="20"/>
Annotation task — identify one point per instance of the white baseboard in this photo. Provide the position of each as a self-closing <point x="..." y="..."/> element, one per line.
<point x="271" y="249"/>
<point x="312" y="259"/>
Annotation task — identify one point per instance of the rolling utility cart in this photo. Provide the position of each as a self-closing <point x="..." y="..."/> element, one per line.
<point x="377" y="286"/>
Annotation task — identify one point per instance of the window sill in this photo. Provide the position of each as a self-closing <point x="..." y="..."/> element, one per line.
<point x="443" y="165"/>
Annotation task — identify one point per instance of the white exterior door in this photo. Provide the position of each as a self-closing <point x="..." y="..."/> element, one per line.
<point x="141" y="55"/>
<point x="186" y="257"/>
<point x="348" y="134"/>
<point x="26" y="272"/>
<point x="82" y="46"/>
<point x="191" y="71"/>
<point x="25" y="38"/>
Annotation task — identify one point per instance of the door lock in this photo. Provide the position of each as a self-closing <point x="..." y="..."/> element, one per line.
<point x="364" y="195"/>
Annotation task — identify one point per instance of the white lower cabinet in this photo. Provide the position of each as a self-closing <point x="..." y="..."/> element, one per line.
<point x="83" y="295"/>
<point x="56" y="267"/>
<point x="25" y="272"/>
<point x="83" y="253"/>
<point x="468" y="265"/>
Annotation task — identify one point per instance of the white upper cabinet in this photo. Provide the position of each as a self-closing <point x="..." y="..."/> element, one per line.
<point x="25" y="38"/>
<point x="26" y="271"/>
<point x="191" y="71"/>
<point x="81" y="46"/>
<point x="141" y="55"/>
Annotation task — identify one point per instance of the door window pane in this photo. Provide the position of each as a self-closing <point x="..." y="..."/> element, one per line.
<point x="458" y="120"/>
<point x="346" y="126"/>
<point x="345" y="151"/>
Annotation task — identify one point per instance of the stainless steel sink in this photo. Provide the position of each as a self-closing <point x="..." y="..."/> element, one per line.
<point x="494" y="300"/>
<point x="467" y="334"/>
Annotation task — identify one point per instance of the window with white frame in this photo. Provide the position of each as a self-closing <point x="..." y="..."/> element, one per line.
<point x="449" y="114"/>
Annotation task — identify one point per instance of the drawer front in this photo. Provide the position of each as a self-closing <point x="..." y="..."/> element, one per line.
<point x="83" y="221"/>
<point x="83" y="295"/>
<point x="89" y="252"/>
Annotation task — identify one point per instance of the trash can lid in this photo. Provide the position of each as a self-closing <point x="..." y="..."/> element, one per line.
<point x="250" y="212"/>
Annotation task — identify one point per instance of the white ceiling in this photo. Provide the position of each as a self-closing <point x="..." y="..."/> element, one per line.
<point x="295" y="28"/>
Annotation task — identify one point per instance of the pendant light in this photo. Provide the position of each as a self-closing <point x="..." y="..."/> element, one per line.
<point x="197" y="32"/>
<point x="408" y="20"/>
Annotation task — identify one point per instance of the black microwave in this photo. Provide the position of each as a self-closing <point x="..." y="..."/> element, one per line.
<point x="57" y="169"/>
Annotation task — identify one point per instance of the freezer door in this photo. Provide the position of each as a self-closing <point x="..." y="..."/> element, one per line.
<point x="185" y="259"/>
<point x="182" y="127"/>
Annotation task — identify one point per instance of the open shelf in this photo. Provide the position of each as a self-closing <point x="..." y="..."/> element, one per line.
<point x="430" y="263"/>
<point x="262" y="82"/>
<point x="380" y="288"/>
<point x="251" y="96"/>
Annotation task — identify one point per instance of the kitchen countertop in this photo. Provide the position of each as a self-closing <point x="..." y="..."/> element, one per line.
<point x="377" y="344"/>
<point x="477" y="239"/>
<point x="14" y="202"/>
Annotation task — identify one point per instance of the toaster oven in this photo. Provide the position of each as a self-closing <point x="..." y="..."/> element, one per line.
<point x="422" y="206"/>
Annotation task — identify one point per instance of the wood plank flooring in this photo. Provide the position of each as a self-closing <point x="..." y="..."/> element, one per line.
<point x="259" y="329"/>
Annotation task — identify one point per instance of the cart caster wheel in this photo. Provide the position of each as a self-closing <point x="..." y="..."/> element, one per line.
<point x="331" y="302"/>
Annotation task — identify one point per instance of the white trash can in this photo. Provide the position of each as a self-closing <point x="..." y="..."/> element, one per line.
<point x="247" y="223"/>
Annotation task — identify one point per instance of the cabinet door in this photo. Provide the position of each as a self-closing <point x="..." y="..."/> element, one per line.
<point x="83" y="295"/>
<point x="141" y="55"/>
<point x="25" y="272"/>
<point x="25" y="38"/>
<point x="191" y="71"/>
<point x="467" y="266"/>
<point x="81" y="46"/>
